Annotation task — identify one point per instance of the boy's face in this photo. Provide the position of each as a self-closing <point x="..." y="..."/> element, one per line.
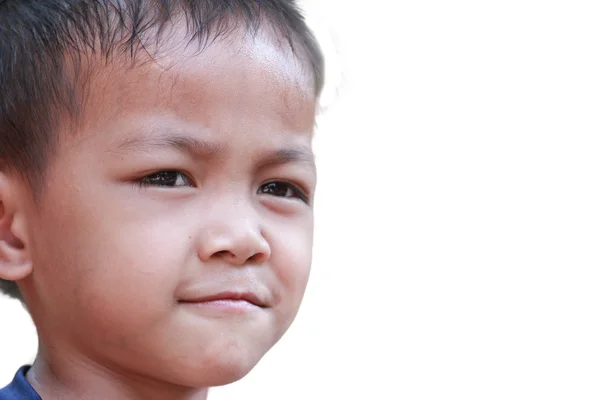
<point x="187" y="181"/>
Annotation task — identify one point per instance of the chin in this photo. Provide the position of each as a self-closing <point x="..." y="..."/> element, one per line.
<point x="224" y="374"/>
<point x="222" y="368"/>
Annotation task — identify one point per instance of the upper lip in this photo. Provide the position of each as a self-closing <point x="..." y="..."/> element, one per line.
<point x="250" y="297"/>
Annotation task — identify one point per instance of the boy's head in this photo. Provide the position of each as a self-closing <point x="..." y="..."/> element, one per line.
<point x="156" y="180"/>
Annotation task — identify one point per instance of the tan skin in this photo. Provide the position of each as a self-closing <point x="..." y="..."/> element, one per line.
<point x="114" y="258"/>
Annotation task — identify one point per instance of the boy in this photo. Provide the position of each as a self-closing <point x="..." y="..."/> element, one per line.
<point x="156" y="188"/>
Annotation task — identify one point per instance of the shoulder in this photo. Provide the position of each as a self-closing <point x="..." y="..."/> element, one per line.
<point x="19" y="388"/>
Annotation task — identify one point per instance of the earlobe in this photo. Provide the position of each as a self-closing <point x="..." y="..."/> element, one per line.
<point x="15" y="261"/>
<point x="13" y="266"/>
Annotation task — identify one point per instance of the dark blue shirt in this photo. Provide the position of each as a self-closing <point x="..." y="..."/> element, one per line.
<point x="19" y="388"/>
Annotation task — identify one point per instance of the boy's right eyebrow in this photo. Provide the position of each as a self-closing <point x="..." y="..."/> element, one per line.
<point x="188" y="144"/>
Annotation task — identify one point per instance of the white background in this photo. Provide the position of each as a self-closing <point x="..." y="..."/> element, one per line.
<point x="458" y="214"/>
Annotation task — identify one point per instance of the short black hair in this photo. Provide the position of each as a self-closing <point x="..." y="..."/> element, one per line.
<point x="43" y="43"/>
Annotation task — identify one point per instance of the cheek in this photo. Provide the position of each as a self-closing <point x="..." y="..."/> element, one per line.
<point x="113" y="269"/>
<point x="291" y="261"/>
<point x="135" y="267"/>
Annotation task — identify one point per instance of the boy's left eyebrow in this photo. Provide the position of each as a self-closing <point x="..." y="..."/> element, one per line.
<point x="292" y="154"/>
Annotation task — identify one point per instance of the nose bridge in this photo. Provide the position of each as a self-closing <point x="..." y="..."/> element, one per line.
<point x="230" y="207"/>
<point x="232" y="231"/>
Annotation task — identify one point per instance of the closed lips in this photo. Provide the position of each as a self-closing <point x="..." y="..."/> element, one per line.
<point x="228" y="296"/>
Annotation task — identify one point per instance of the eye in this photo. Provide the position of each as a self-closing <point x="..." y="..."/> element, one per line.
<point x="283" y="189"/>
<point x="165" y="179"/>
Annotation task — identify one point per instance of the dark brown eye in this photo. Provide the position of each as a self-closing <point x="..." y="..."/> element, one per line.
<point x="166" y="179"/>
<point x="282" y="189"/>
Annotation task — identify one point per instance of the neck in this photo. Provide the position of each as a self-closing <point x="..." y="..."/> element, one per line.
<point x="70" y="378"/>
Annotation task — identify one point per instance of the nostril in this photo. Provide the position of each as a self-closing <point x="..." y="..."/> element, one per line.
<point x="221" y="253"/>
<point x="257" y="258"/>
<point x="228" y="256"/>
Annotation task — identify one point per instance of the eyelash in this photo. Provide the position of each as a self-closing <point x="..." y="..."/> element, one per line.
<point x="145" y="182"/>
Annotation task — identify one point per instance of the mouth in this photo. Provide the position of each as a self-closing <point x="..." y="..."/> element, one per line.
<point x="228" y="299"/>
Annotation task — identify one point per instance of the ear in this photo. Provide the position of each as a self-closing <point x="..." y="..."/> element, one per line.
<point x="15" y="260"/>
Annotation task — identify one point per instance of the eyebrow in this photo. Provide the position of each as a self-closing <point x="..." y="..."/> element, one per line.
<point x="187" y="144"/>
<point x="209" y="150"/>
<point x="292" y="154"/>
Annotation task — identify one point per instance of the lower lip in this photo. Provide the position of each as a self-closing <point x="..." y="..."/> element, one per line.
<point x="224" y="306"/>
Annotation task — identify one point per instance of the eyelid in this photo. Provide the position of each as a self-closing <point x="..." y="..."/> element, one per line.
<point x="304" y="194"/>
<point x="300" y="191"/>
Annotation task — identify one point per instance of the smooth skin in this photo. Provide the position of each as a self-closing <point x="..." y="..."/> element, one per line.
<point x="189" y="175"/>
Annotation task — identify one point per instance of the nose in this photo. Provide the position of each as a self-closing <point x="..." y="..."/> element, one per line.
<point x="233" y="237"/>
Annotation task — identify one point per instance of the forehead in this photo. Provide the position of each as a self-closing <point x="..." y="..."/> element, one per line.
<point x="242" y="84"/>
